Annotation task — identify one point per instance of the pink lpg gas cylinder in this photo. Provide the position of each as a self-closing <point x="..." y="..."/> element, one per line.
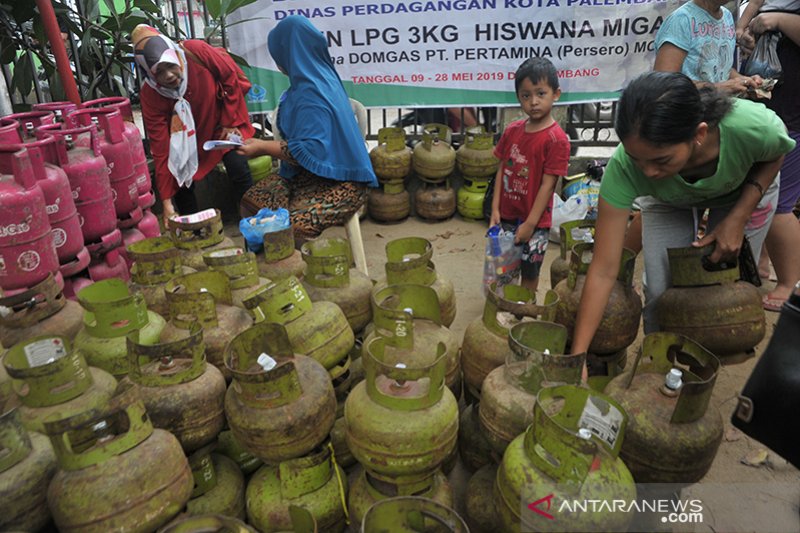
<point x="130" y="236"/>
<point x="27" y="252"/>
<point x="60" y="109"/>
<point x="117" y="154"/>
<point x="64" y="223"/>
<point x="134" y="138"/>
<point x="149" y="225"/>
<point x="87" y="171"/>
<point x="30" y="120"/>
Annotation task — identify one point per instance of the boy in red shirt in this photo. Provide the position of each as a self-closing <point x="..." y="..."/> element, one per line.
<point x="533" y="153"/>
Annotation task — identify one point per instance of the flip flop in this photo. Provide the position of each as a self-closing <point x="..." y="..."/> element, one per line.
<point x="772" y="304"/>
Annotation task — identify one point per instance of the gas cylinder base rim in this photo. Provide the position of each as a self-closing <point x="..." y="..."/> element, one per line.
<point x="80" y="262"/>
<point x="107" y="242"/>
<point x="57" y="276"/>
<point x="133" y="218"/>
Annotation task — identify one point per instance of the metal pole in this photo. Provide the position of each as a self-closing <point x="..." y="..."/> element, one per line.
<point x="59" y="50"/>
<point x="5" y="100"/>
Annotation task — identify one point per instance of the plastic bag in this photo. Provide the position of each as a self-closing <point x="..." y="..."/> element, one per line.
<point x="503" y="258"/>
<point x="265" y="221"/>
<point x="575" y="207"/>
<point x="764" y="59"/>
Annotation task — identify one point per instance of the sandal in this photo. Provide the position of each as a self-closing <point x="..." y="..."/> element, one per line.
<point x="772" y="304"/>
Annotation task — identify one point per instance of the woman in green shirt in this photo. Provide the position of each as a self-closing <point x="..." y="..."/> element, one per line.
<point x="684" y="149"/>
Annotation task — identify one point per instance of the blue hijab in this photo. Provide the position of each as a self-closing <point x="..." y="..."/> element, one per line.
<point x="316" y="117"/>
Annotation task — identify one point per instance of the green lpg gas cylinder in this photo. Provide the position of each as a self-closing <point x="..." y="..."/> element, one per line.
<point x="712" y="306"/>
<point x="673" y="434"/>
<point x="197" y="234"/>
<point x="408" y="260"/>
<point x="260" y="167"/>
<point x="111" y="311"/>
<point x="116" y="473"/>
<point x="241" y="269"/>
<point x="218" y="485"/>
<point x="207" y="523"/>
<point x="313" y="482"/>
<point x="470" y="196"/>
<point x="228" y="446"/>
<point x="407" y="514"/>
<point x="280" y="405"/>
<point x="367" y="490"/>
<point x="620" y="322"/>
<point x="39" y="310"/>
<point x="27" y="463"/>
<point x="205" y="297"/>
<point x="475" y="158"/>
<point x="485" y="344"/>
<point x="316" y="329"/>
<point x="53" y="381"/>
<point x="330" y="278"/>
<point x="481" y="514"/>
<point x="407" y="316"/>
<point x="473" y="446"/>
<point x="434" y="158"/>
<point x="391" y="158"/>
<point x="423" y="414"/>
<point x="536" y="359"/>
<point x="155" y="262"/>
<point x="281" y="259"/>
<point x="182" y="393"/>
<point x="569" y="453"/>
<point x="571" y="232"/>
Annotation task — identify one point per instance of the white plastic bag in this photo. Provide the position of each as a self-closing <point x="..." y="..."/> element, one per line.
<point x="503" y="258"/>
<point x="573" y="208"/>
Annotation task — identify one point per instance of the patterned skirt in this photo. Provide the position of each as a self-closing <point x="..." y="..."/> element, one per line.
<point x="314" y="203"/>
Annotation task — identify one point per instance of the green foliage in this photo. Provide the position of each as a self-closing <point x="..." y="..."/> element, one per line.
<point x="100" y="47"/>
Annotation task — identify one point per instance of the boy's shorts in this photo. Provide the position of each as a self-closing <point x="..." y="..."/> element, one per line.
<point x="532" y="251"/>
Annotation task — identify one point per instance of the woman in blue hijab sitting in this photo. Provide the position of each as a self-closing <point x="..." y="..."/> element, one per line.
<point x="325" y="168"/>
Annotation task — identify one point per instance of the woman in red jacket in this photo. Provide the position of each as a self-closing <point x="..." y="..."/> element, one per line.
<point x="192" y="94"/>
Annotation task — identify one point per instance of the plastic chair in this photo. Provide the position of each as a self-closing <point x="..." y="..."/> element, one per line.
<point x="352" y="226"/>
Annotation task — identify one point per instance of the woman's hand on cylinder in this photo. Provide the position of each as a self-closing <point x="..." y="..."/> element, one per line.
<point x="167" y="211"/>
<point x="727" y="238"/>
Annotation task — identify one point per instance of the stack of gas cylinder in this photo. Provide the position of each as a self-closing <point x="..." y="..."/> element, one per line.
<point x="434" y="161"/>
<point x="391" y="160"/>
<point x="476" y="162"/>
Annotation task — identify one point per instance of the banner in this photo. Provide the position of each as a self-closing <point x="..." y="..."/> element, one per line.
<point x="458" y="52"/>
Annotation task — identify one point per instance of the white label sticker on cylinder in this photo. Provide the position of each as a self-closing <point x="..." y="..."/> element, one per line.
<point x="602" y="419"/>
<point x="44" y="351"/>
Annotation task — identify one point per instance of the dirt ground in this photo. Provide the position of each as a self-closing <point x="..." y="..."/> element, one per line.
<point x="773" y="486"/>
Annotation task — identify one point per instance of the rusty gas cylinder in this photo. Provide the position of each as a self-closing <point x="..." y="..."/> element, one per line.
<point x="208" y="523"/>
<point x="711" y="305"/>
<point x="116" y="473"/>
<point x="111" y="311"/>
<point x="27" y="463"/>
<point x="313" y="482"/>
<point x="571" y="232"/>
<point x="475" y="158"/>
<point x="485" y="343"/>
<point x="536" y="359"/>
<point x="481" y="514"/>
<point x="218" y="485"/>
<point x="155" y="261"/>
<point x="39" y="310"/>
<point x="367" y="490"/>
<point x="620" y="322"/>
<point x="280" y="405"/>
<point x="408" y="317"/>
<point x="316" y="329"/>
<point x="412" y="513"/>
<point x="240" y="267"/>
<point x="389" y="203"/>
<point x="473" y="446"/>
<point x="423" y="411"/>
<point x="281" y="259"/>
<point x="569" y="452"/>
<point x="182" y="393"/>
<point x="408" y="260"/>
<point x="434" y="158"/>
<point x="435" y="202"/>
<point x="228" y="446"/>
<point x="673" y="434"/>
<point x="391" y="158"/>
<point x="329" y="278"/>
<point x="204" y="297"/>
<point x="53" y="381"/>
<point x="197" y="234"/>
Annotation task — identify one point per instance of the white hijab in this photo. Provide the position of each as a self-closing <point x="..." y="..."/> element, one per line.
<point x="151" y="49"/>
